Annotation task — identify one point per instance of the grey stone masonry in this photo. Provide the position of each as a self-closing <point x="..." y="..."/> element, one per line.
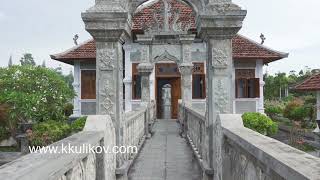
<point x="220" y="21"/>
<point x="186" y="79"/>
<point x="108" y="23"/>
<point x="145" y="69"/>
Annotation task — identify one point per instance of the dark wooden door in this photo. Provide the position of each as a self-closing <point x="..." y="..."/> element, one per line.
<point x="175" y="96"/>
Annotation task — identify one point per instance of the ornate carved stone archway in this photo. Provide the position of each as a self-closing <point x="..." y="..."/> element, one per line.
<point x="109" y="22"/>
<point x="166" y="56"/>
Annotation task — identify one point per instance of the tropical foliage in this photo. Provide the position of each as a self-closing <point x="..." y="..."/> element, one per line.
<point x="45" y="133"/>
<point x="33" y="93"/>
<point x="260" y="123"/>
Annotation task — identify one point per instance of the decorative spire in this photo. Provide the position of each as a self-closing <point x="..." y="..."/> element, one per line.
<point x="10" y="61"/>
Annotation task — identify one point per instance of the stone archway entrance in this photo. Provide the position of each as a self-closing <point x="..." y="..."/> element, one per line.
<point x="168" y="73"/>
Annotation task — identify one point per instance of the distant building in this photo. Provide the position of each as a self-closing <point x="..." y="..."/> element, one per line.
<point x="170" y="24"/>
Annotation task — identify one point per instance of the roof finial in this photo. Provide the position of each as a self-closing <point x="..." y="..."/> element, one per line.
<point x="263" y="38"/>
<point x="75" y="39"/>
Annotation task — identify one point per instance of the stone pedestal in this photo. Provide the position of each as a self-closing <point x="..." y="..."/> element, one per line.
<point x="220" y="22"/>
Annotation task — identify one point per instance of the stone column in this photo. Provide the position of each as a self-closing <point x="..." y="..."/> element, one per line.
<point x="186" y="68"/>
<point x="76" y="87"/>
<point x="128" y="96"/>
<point x="219" y="24"/>
<point x="108" y="23"/>
<point x="145" y="69"/>
<point x="259" y="74"/>
<point x="186" y="82"/>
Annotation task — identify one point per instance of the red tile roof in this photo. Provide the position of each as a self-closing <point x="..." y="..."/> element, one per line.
<point x="311" y="84"/>
<point x="243" y="48"/>
<point x="145" y="17"/>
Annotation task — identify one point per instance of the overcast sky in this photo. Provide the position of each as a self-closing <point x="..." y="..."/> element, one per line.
<point x="44" y="27"/>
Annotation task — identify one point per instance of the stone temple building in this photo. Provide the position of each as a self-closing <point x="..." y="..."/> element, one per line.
<point x="165" y="33"/>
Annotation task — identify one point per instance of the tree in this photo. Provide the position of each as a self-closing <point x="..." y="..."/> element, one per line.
<point x="27" y="59"/>
<point x="34" y="93"/>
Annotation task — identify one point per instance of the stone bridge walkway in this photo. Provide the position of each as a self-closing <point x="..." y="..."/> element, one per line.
<point x="166" y="156"/>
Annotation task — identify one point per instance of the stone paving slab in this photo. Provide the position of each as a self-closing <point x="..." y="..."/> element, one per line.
<point x="166" y="156"/>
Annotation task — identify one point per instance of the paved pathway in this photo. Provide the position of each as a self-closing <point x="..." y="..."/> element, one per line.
<point x="166" y="156"/>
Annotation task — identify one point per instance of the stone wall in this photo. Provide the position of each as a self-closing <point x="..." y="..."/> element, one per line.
<point x="99" y="131"/>
<point x="247" y="154"/>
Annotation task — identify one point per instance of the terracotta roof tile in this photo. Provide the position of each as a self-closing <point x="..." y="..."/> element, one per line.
<point x="311" y="84"/>
<point x="145" y="17"/>
<point x="243" y="48"/>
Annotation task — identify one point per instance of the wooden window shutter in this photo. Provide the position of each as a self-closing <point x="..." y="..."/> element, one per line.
<point x="257" y="87"/>
<point x="88" y="84"/>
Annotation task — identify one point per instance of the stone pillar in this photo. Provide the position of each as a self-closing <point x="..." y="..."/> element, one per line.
<point x="145" y="69"/>
<point x="186" y="82"/>
<point x="108" y="23"/>
<point x="259" y="74"/>
<point x="76" y="87"/>
<point x="186" y="68"/>
<point x="219" y="24"/>
<point x="128" y="94"/>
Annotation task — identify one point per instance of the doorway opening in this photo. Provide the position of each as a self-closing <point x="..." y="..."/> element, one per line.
<point x="168" y="73"/>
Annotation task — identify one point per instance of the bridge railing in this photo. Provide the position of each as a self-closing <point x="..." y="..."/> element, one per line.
<point x="238" y="153"/>
<point x="194" y="128"/>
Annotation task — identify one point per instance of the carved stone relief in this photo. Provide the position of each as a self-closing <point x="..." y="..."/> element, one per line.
<point x="106" y="58"/>
<point x="166" y="57"/>
<point x="219" y="58"/>
<point x="108" y="95"/>
<point x="221" y="97"/>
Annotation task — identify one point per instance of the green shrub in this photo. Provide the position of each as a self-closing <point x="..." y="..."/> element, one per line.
<point x="4" y="133"/>
<point x="298" y="114"/>
<point x="292" y="105"/>
<point x="48" y="132"/>
<point x="260" y="123"/>
<point x="273" y="110"/>
<point x="68" y="109"/>
<point x="78" y="124"/>
<point x="34" y="93"/>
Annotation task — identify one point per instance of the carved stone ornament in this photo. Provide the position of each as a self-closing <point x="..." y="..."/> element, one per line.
<point x="106" y="58"/>
<point x="166" y="57"/>
<point x="221" y="98"/>
<point x="219" y="58"/>
<point x="222" y="6"/>
<point x="108" y="96"/>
